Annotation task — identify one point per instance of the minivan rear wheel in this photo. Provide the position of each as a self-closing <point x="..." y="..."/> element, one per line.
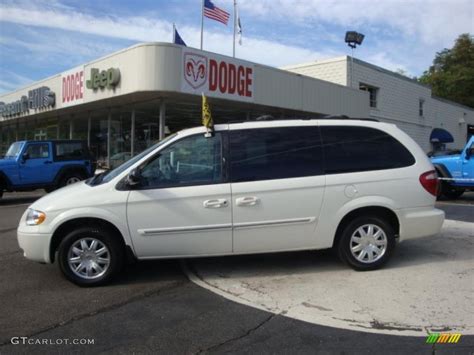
<point x="366" y="243"/>
<point x="90" y="256"/>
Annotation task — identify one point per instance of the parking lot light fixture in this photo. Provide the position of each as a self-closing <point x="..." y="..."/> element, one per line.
<point x="353" y="39"/>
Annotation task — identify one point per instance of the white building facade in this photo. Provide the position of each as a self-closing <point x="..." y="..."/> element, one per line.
<point x="126" y="101"/>
<point x="397" y="99"/>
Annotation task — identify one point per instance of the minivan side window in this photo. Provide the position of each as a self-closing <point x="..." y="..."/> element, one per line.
<point x="275" y="153"/>
<point x="353" y="149"/>
<point x="194" y="160"/>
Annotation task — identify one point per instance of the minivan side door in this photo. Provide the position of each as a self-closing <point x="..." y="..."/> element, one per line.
<point x="277" y="187"/>
<point x="182" y="204"/>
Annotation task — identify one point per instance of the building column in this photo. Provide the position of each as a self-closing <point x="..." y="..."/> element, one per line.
<point x="89" y="123"/>
<point x="132" y="134"/>
<point x="162" y="122"/>
<point x="57" y="128"/>
<point x="17" y="124"/>
<point x="109" y="121"/>
<point x="71" y="127"/>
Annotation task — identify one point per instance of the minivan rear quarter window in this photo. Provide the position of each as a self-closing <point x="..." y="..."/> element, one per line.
<point x="353" y="149"/>
<point x="275" y="153"/>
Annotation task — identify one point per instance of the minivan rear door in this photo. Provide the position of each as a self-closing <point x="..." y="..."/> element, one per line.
<point x="277" y="185"/>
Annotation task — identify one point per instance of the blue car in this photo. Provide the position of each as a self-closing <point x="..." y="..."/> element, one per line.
<point x="30" y="165"/>
<point x="456" y="172"/>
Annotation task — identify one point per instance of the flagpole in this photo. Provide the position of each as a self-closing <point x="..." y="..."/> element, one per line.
<point x="174" y="33"/>
<point x="235" y="26"/>
<point x="202" y="22"/>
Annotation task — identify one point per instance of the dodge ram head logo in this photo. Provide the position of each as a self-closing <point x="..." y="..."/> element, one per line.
<point x="195" y="69"/>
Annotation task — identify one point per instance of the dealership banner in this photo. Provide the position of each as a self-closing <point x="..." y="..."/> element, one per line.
<point x="72" y="87"/>
<point x="217" y="76"/>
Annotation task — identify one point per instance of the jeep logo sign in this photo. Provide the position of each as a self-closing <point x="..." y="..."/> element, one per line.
<point x="103" y="79"/>
<point x="217" y="76"/>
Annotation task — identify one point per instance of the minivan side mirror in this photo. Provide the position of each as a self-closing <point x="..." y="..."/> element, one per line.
<point x="25" y="157"/>
<point x="134" y="177"/>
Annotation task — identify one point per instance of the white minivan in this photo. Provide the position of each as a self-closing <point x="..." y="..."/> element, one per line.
<point x="254" y="187"/>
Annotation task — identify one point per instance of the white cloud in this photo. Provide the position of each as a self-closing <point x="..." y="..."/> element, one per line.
<point x="10" y="81"/>
<point x="146" y="29"/>
<point x="435" y="22"/>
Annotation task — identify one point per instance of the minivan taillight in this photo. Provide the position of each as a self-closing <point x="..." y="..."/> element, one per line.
<point x="429" y="181"/>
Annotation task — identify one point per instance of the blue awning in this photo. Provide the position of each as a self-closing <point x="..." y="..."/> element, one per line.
<point x="439" y="135"/>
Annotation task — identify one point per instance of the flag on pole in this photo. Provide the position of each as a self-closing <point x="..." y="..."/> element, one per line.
<point x="239" y="27"/>
<point x="206" y="116"/>
<point x="214" y="13"/>
<point x="177" y="38"/>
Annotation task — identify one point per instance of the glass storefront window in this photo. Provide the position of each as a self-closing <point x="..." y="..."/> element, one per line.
<point x="98" y="136"/>
<point x="146" y="131"/>
<point x="120" y="138"/>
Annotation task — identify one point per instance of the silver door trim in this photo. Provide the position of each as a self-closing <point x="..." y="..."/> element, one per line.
<point x="172" y="230"/>
<point x="276" y="222"/>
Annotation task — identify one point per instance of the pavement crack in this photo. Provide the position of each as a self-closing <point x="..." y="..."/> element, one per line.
<point x="246" y="334"/>
<point x="5" y="342"/>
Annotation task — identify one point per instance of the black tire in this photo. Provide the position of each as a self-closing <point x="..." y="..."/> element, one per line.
<point x="345" y="243"/>
<point x="70" y="178"/>
<point x="451" y="192"/>
<point x="115" y="253"/>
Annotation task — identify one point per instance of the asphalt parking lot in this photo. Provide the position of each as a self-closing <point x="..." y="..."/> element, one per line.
<point x="154" y="307"/>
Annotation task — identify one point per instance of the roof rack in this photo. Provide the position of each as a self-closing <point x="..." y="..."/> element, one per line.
<point x="326" y="117"/>
<point x="344" y="117"/>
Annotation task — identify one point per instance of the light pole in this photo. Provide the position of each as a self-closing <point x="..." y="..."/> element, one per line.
<point x="353" y="39"/>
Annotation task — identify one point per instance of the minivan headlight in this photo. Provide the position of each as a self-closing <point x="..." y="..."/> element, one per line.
<point x="34" y="217"/>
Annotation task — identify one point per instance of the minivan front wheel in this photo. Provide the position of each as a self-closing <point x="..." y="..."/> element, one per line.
<point x="90" y="256"/>
<point x="366" y="243"/>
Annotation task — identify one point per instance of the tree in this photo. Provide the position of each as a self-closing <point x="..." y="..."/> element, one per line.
<point x="452" y="74"/>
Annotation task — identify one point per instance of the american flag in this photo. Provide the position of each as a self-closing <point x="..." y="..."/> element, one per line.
<point x="213" y="12"/>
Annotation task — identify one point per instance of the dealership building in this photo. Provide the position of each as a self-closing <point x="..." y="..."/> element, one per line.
<point x="124" y="102"/>
<point x="434" y="123"/>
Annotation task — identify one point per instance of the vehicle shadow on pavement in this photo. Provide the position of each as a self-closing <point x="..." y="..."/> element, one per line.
<point x="148" y="271"/>
<point x="412" y="253"/>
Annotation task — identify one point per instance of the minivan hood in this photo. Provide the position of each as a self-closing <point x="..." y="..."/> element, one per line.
<point x="80" y="195"/>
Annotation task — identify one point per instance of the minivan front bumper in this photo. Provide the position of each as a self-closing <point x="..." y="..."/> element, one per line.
<point x="35" y="246"/>
<point x="420" y="222"/>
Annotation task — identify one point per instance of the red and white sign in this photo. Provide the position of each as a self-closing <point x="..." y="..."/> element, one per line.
<point x="72" y="84"/>
<point x="217" y="76"/>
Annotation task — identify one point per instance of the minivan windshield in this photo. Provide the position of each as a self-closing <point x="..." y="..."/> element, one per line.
<point x="109" y="175"/>
<point x="14" y="150"/>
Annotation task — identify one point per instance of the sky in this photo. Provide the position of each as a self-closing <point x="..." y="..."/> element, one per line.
<point x="40" y="38"/>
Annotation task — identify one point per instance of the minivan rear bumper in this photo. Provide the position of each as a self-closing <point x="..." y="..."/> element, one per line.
<point x="420" y="222"/>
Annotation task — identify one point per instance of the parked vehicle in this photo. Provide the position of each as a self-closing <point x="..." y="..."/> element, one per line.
<point x="439" y="153"/>
<point x="253" y="187"/>
<point x="30" y="165"/>
<point x="456" y="171"/>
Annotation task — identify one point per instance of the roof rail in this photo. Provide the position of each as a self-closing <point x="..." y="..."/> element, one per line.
<point x="326" y="117"/>
<point x="344" y="117"/>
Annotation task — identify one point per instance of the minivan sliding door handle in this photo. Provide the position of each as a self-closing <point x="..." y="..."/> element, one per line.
<point x="246" y="201"/>
<point x="218" y="203"/>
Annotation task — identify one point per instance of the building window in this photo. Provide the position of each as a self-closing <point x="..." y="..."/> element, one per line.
<point x="421" y="104"/>
<point x="373" y="92"/>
